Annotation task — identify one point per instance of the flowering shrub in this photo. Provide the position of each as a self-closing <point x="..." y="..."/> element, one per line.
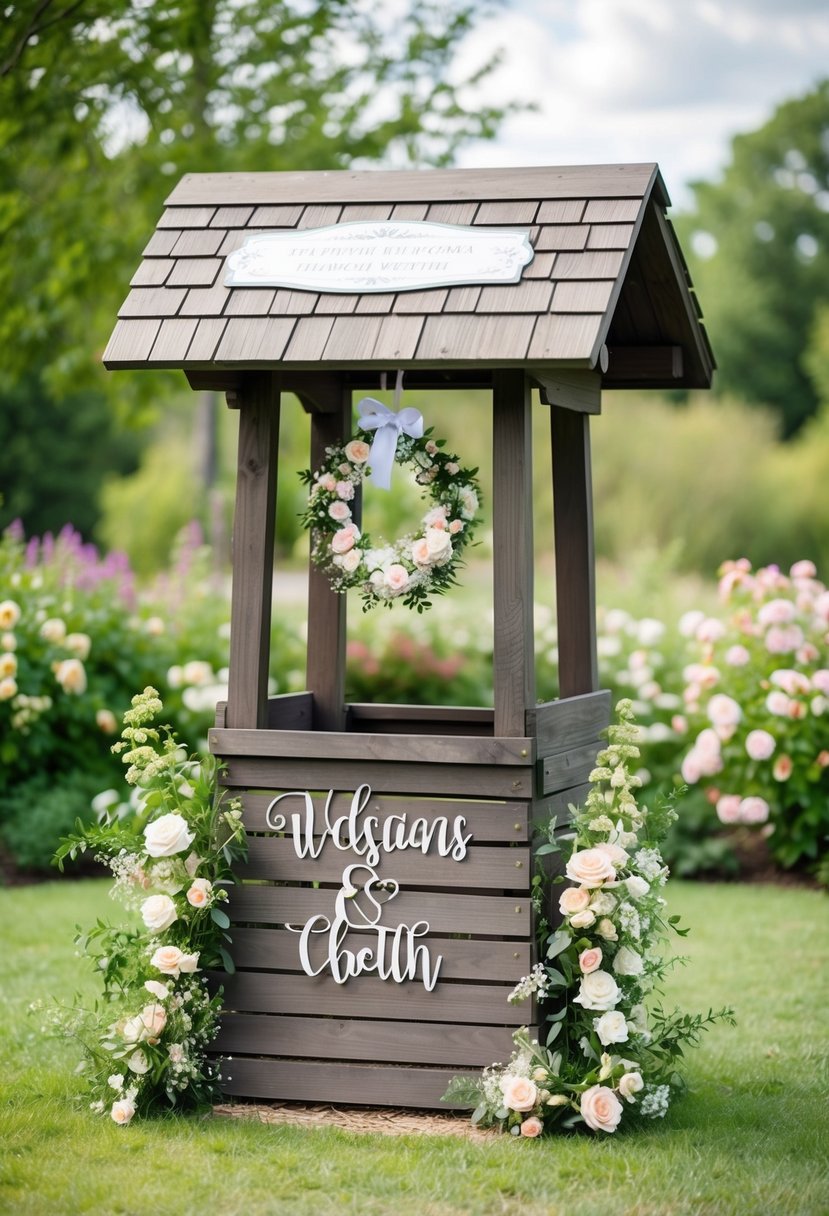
<point x="171" y="858"/>
<point x="606" y="1056"/>
<point x="757" y="705"/>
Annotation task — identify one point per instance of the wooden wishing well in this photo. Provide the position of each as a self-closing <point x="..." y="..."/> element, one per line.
<point x="396" y="841"/>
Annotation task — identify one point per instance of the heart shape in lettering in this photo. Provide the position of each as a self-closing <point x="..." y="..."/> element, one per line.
<point x="360" y="904"/>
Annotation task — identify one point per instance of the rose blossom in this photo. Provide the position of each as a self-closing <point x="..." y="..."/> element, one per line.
<point x="167" y="959"/>
<point x="439" y="545"/>
<point x="598" y="990"/>
<point x="8" y="689"/>
<point x="9" y="614"/>
<point x="573" y="899"/>
<point x="783" y="639"/>
<point x="348" y="561"/>
<point x="520" y="1093"/>
<point x="345" y="538"/>
<point x="532" y="1127"/>
<point x="823" y="759"/>
<point x="199" y="894"/>
<point x="71" y="676"/>
<point x="776" y="612"/>
<point x="159" y="990"/>
<point x="79" y="643"/>
<point x="627" y="962"/>
<point x="611" y="1027"/>
<point x="782" y="769"/>
<point x="53" y="630"/>
<point x="728" y="808"/>
<point x="637" y="887"/>
<point x="590" y="867"/>
<point x="777" y="703"/>
<point x="630" y="1083"/>
<point x="357" y="451"/>
<point x="754" y="810"/>
<point x="710" y="630"/>
<point x="803" y="569"/>
<point x="158" y="913"/>
<point x="396" y="577"/>
<point x="420" y="552"/>
<point x="590" y="960"/>
<point x="724" y="711"/>
<point x="167" y="835"/>
<point x="106" y="721"/>
<point x="122" y="1111"/>
<point x="138" y="1062"/>
<point x="8" y="666"/>
<point x="760" y="744"/>
<point x="820" y="680"/>
<point x="606" y="929"/>
<point x="344" y="489"/>
<point x="618" y="856"/>
<point x="583" y="920"/>
<point x="600" y="1109"/>
<point x="339" y="511"/>
<point x="456" y="526"/>
<point x="737" y="656"/>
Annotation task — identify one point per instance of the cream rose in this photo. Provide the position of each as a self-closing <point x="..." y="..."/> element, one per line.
<point x="138" y="1062"/>
<point x="618" y="856"/>
<point x="200" y="893"/>
<point x="349" y="561"/>
<point x="122" y="1111"/>
<point x="188" y="963"/>
<point x="8" y="689"/>
<point x="637" y="887"/>
<point x="598" y="990"/>
<point x="611" y="1027"/>
<point x="532" y="1127"/>
<point x="9" y="614"/>
<point x="8" y="641"/>
<point x="357" y="451"/>
<point x="396" y="578"/>
<point x="590" y="867"/>
<point x="573" y="899"/>
<point x="606" y="929"/>
<point x="8" y="666"/>
<point x="167" y="959"/>
<point x="106" y="721"/>
<point x="600" y="1109"/>
<point x="627" y="962"/>
<point x="439" y="544"/>
<point x="629" y="1084"/>
<point x="79" y="643"/>
<point x="158" y="913"/>
<point x="53" y="630"/>
<point x="590" y="960"/>
<point x="520" y="1093"/>
<point x="339" y="511"/>
<point x="71" y="675"/>
<point x="159" y="990"/>
<point x="583" y="920"/>
<point x="420" y="552"/>
<point x="167" y="835"/>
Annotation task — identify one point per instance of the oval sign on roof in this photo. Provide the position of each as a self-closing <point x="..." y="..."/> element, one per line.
<point x="379" y="255"/>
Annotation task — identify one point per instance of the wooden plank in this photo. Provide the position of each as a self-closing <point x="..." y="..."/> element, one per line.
<point x="319" y="216"/>
<point x="255" y="340"/>
<point x="462" y="299"/>
<point x="600" y="264"/>
<point x="249" y="302"/>
<point x="130" y="343"/>
<point x="512" y="212"/>
<point x="559" y="336"/>
<point x="558" y="805"/>
<point x="292" y="303"/>
<point x="373" y="1041"/>
<point x="451" y="213"/>
<point x="572" y="389"/>
<point x="452" y="780"/>
<point x="253" y="530"/>
<point x="463" y="958"/>
<point x="276" y="217"/>
<point x="397" y="338"/>
<point x="513" y="663"/>
<point x="567" y="769"/>
<point x="488" y="338"/>
<point x="483" y="867"/>
<point x="173" y="340"/>
<point x="235" y="238"/>
<point x="430" y="719"/>
<point x="351" y="338"/>
<point x="353" y="1084"/>
<point x="198" y="243"/>
<point x="483" y="915"/>
<point x="206" y="301"/>
<point x="152" y="272"/>
<point x="195" y="272"/>
<point x="561" y="211"/>
<point x="409" y="211"/>
<point x="610" y="236"/>
<point x="565" y="182"/>
<point x="493" y="822"/>
<point x="531" y="295"/>
<point x="186" y="217"/>
<point x="331" y="304"/>
<point x="290" y="711"/>
<point x="325" y="660"/>
<point x="559" y="725"/>
<point x="152" y="302"/>
<point x="161" y="243"/>
<point x="541" y="267"/>
<point x="612" y="210"/>
<point x="308" y="340"/>
<point x="574" y="552"/>
<point x="205" y="340"/>
<point x="589" y="296"/>
<point x="216" y="380"/>
<point x="643" y="365"/>
<point x="353" y="212"/>
<point x="376" y="302"/>
<point x="327" y="744"/>
<point x="368" y="997"/>
<point x="231" y="217"/>
<point x="562" y="236"/>
<point x="421" y="301"/>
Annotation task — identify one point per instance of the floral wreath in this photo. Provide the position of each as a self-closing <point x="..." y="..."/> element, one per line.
<point x="419" y="564"/>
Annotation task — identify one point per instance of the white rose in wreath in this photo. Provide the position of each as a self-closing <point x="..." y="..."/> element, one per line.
<point x="598" y="990"/>
<point x="158" y="913"/>
<point x="627" y="962"/>
<point x="611" y="1027"/>
<point x="439" y="545"/>
<point x="601" y="1109"/>
<point x="631" y="1083"/>
<point x="167" y="835"/>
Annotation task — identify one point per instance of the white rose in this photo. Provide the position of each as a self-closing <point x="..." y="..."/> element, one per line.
<point x="582" y="920"/>
<point x="637" y="887"/>
<point x="606" y="929"/>
<point x="598" y="990"/>
<point x="167" y="835"/>
<point x="123" y="1111"/>
<point x="156" y="989"/>
<point x="138" y="1063"/>
<point x="629" y="1084"/>
<point x="53" y="630"/>
<point x="611" y="1027"/>
<point x="600" y="1109"/>
<point x="116" y="1081"/>
<point x="188" y="963"/>
<point x="590" y="867"/>
<point x="439" y="545"/>
<point x="618" y="856"/>
<point x="638" y="1020"/>
<point x="158" y="913"/>
<point x="627" y="962"/>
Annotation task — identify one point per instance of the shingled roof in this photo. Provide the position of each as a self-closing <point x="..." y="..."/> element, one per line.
<point x="607" y="289"/>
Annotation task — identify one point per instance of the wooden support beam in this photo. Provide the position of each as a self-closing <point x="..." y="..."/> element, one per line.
<point x="575" y="559"/>
<point x="639" y="366"/>
<point x="253" y="525"/>
<point x="571" y="390"/>
<point x="514" y="672"/>
<point x="325" y="666"/>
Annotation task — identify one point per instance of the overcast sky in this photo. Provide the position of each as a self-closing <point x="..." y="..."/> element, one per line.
<point x="645" y="80"/>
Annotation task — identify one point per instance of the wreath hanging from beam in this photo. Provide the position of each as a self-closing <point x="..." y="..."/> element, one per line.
<point x="424" y="562"/>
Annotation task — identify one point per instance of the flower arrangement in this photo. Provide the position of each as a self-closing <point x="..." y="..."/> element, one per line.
<point x="413" y="567"/>
<point x="607" y="1056"/>
<point x="757" y="706"/>
<point x="171" y="859"/>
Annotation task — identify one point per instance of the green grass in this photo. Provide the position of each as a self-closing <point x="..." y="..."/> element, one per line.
<point x="750" y="1137"/>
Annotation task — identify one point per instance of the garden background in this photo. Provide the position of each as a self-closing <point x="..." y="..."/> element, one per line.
<point x="116" y="490"/>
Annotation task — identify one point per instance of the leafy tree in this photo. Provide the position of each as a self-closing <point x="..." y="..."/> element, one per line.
<point x="759" y="255"/>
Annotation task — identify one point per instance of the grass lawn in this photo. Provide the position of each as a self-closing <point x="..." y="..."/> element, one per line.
<point x="751" y="1137"/>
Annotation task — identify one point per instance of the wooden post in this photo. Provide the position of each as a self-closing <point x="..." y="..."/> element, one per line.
<point x="575" y="559"/>
<point x="514" y="665"/>
<point x="253" y="524"/>
<point x="325" y="664"/>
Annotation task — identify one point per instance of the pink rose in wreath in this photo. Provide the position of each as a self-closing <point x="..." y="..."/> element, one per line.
<point x="520" y="1093"/>
<point x="345" y="538"/>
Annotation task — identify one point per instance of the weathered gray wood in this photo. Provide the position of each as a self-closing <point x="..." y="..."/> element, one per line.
<point x="637" y="365"/>
<point x="558" y="725"/>
<point x="492" y="915"/>
<point x="187" y="217"/>
<point x="153" y="272"/>
<point x="253" y="524"/>
<point x="483" y="867"/>
<point x="560" y="211"/>
<point x="368" y="997"/>
<point x="598" y="264"/>
<point x="255" y="340"/>
<point x="487" y="822"/>
<point x="432" y="300"/>
<point x="290" y="711"/>
<point x="194" y="272"/>
<point x="325" y="663"/>
<point x="130" y="343"/>
<point x="572" y="390"/>
<point x="339" y="745"/>
<point x="480" y="718"/>
<point x="567" y="769"/>
<point x="610" y="236"/>
<point x="452" y="780"/>
<point x="231" y="217"/>
<point x="174" y="336"/>
<point x="612" y="210"/>
<point x="587" y="296"/>
<point x="152" y="302"/>
<point x="308" y="339"/>
<point x="507" y="212"/>
<point x="559" y="804"/>
<point x="198" y="243"/>
<point x="472" y="337"/>
<point x="563" y="338"/>
<point x="397" y="338"/>
<point x="463" y="958"/>
<point x="352" y="1084"/>
<point x="373" y="1041"/>
<point x="554" y="237"/>
<point x="249" y="302"/>
<point x="530" y="295"/>
<point x="513" y="662"/>
<point x="351" y="339"/>
<point x="206" y="338"/>
<point x="575" y="562"/>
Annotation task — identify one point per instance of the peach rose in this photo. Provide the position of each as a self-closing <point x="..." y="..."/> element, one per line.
<point x="600" y="1109"/>
<point x="79" y="643"/>
<point x="583" y="920"/>
<point x="456" y="526"/>
<point x="590" y="960"/>
<point x="520" y="1093"/>
<point x="200" y="893"/>
<point x="167" y="960"/>
<point x="9" y="614"/>
<point x="345" y="538"/>
<point x="71" y="675"/>
<point x="357" y="451"/>
<point x="532" y="1127"/>
<point x="420" y="552"/>
<point x="106" y="721"/>
<point x="339" y="512"/>
<point x="573" y="899"/>
<point x="782" y="769"/>
<point x="396" y="578"/>
<point x="122" y="1111"/>
<point x="590" y="867"/>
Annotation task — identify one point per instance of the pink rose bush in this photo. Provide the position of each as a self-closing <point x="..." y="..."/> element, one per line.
<point x="171" y="861"/>
<point x="757" y="708"/>
<point x="605" y="1059"/>
<point x="417" y="565"/>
